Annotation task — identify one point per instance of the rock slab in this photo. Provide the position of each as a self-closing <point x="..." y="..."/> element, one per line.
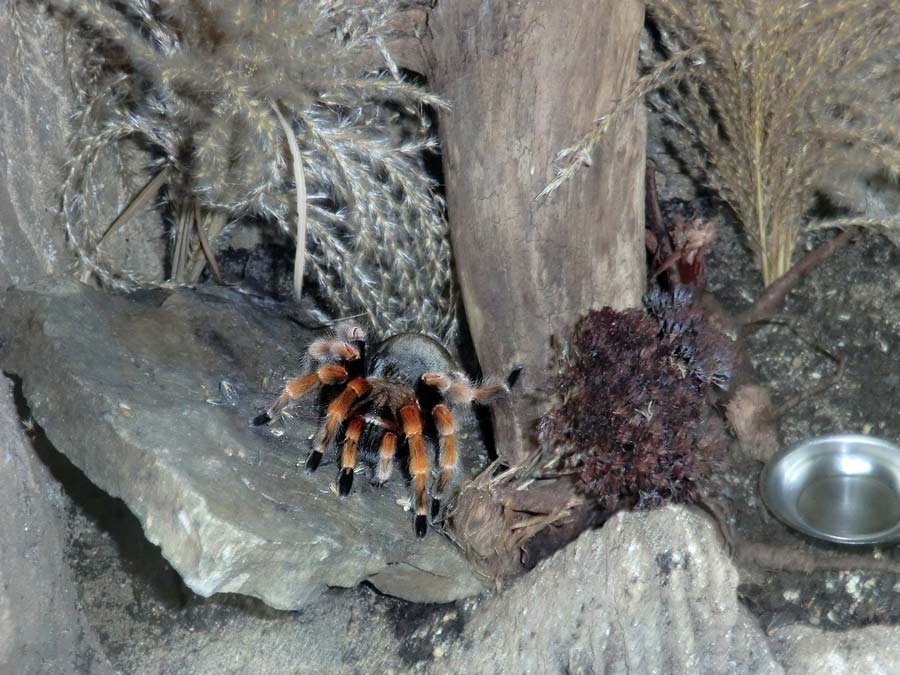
<point x="805" y="650"/>
<point x="131" y="389"/>
<point x="651" y="592"/>
<point x="42" y="628"/>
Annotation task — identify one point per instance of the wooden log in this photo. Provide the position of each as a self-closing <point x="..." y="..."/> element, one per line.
<point x="526" y="78"/>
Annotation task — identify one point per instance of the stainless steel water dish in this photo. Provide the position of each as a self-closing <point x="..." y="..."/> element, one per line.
<point x="843" y="488"/>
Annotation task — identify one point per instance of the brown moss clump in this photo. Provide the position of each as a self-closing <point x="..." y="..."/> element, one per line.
<point x="636" y="426"/>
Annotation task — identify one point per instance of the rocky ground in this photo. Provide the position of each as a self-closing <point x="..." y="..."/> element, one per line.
<point x="139" y="614"/>
<point x="145" y="619"/>
<point x="850" y="305"/>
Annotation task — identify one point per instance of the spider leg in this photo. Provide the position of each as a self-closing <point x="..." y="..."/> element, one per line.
<point x="351" y="331"/>
<point x="386" y="450"/>
<point x="459" y="390"/>
<point x="383" y="429"/>
<point x="341" y="345"/>
<point x="449" y="458"/>
<point x="372" y="426"/>
<point x="330" y="349"/>
<point x="336" y="414"/>
<point x="330" y="373"/>
<point x="348" y="455"/>
<point x="411" y="421"/>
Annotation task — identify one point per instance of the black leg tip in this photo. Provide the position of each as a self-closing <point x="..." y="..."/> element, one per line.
<point x="312" y="462"/>
<point x="345" y="482"/>
<point x="260" y="420"/>
<point x="513" y="377"/>
<point x="421" y="526"/>
<point x="435" y="508"/>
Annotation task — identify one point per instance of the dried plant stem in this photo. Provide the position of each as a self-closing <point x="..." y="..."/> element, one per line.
<point x="196" y="90"/>
<point x="664" y="246"/>
<point x="300" y="255"/>
<point x="774" y="295"/>
<point x="183" y="228"/>
<point x="211" y="227"/>
<point x="204" y="245"/>
<point x="761" y="221"/>
<point x="580" y="154"/>
<point x="793" y="557"/>
<point x="138" y="202"/>
<point x="790" y="558"/>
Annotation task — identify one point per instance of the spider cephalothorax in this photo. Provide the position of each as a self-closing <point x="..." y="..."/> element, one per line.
<point x="405" y="392"/>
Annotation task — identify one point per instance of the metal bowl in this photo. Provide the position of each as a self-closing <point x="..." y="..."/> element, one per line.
<point x="843" y="488"/>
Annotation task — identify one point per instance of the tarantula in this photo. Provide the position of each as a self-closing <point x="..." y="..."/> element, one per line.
<point x="374" y="405"/>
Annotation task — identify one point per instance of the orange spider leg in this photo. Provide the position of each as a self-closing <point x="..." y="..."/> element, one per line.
<point x="411" y="421"/>
<point x="337" y="412"/>
<point x="449" y="458"/>
<point x="339" y="345"/>
<point x="330" y="373"/>
<point x="386" y="456"/>
<point x="325" y="349"/>
<point x="348" y="455"/>
<point x="458" y="390"/>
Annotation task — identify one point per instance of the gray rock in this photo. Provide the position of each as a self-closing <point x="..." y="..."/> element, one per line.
<point x="42" y="629"/>
<point x="34" y="104"/>
<point x="650" y="592"/>
<point x="804" y="650"/>
<point x="129" y="389"/>
<point x="37" y="61"/>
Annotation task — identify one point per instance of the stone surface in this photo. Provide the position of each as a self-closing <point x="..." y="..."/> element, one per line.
<point x="34" y="105"/>
<point x="129" y="388"/>
<point x="42" y="629"/>
<point x="37" y="60"/>
<point x="805" y="650"/>
<point x="651" y="592"/>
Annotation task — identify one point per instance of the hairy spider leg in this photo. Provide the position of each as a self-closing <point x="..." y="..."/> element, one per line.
<point x="367" y="425"/>
<point x="349" y="454"/>
<point x="411" y="421"/>
<point x="449" y="457"/>
<point x="335" y="415"/>
<point x="330" y="373"/>
<point x="345" y="344"/>
<point x="332" y="349"/>
<point x="386" y="450"/>
<point x="460" y="391"/>
<point x="381" y="428"/>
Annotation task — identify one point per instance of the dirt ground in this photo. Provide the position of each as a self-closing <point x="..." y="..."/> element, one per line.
<point x="849" y="305"/>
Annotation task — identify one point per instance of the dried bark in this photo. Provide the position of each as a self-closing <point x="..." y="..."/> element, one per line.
<point x="525" y="78"/>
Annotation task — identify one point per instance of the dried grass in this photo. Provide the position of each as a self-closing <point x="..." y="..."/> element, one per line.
<point x="199" y="87"/>
<point x="772" y="102"/>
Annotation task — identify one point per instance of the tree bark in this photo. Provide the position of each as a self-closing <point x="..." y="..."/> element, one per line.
<point x="526" y="78"/>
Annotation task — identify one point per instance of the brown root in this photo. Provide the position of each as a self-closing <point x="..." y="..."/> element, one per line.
<point x="772" y="298"/>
